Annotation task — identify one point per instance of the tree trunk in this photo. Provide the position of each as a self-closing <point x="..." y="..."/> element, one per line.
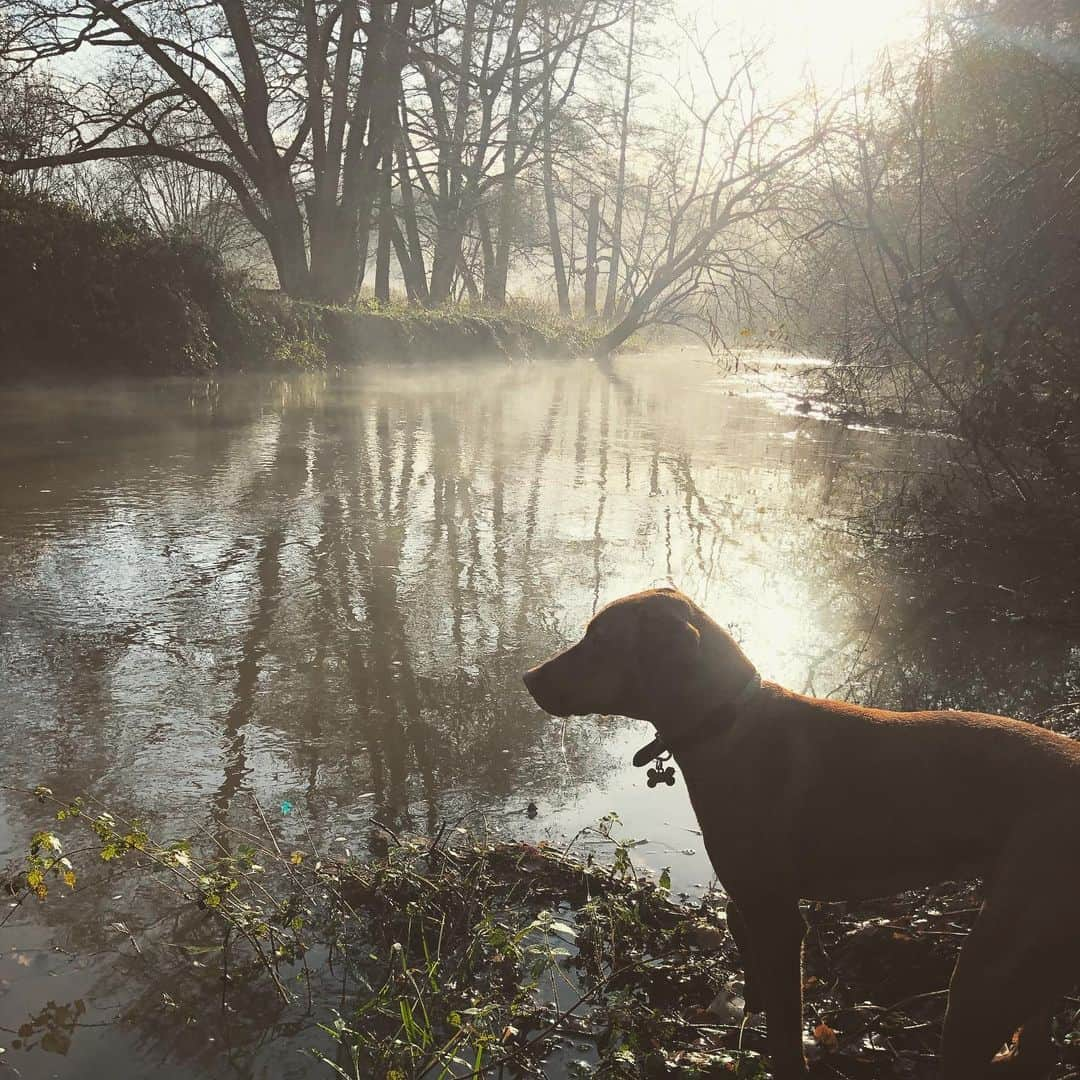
<point x="450" y="215"/>
<point x="372" y="126"/>
<point x="638" y="312"/>
<point x="592" y="238"/>
<point x="562" y="286"/>
<point x="414" y="272"/>
<point x="615" y="265"/>
<point x="290" y="262"/>
<point x="415" y="284"/>
<point x="487" y="248"/>
<point x="285" y="236"/>
<point x="386" y="229"/>
<point x="447" y="257"/>
<point x="495" y="289"/>
<point x="636" y="260"/>
<point x="469" y="281"/>
<point x="621" y="332"/>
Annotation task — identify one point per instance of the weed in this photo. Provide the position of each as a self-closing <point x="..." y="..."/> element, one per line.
<point x="460" y="955"/>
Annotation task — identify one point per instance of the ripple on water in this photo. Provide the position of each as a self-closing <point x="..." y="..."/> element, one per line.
<point x="322" y="592"/>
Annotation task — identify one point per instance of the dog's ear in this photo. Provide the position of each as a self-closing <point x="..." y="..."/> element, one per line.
<point x="673" y="640"/>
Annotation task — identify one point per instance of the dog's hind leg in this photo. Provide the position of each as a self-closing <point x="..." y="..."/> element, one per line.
<point x="1023" y="953"/>
<point x="977" y="1028"/>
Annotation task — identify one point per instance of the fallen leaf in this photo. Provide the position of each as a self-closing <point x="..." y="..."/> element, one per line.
<point x="825" y="1037"/>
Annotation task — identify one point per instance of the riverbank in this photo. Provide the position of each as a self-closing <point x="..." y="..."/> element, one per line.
<point x="83" y="296"/>
<point x="399" y="333"/>
<point x="461" y="952"/>
<point x="1007" y="481"/>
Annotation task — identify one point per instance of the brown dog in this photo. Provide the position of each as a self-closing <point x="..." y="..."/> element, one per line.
<point x="804" y="798"/>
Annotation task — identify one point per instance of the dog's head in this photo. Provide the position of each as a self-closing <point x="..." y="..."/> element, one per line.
<point x="653" y="655"/>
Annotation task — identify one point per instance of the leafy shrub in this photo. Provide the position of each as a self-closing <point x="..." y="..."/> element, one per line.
<point x="86" y="295"/>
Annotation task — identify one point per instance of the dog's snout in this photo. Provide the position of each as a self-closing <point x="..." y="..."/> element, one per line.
<point x="537" y="686"/>
<point x="545" y="690"/>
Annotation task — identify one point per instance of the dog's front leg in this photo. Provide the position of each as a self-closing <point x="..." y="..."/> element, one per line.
<point x="739" y="931"/>
<point x="775" y="931"/>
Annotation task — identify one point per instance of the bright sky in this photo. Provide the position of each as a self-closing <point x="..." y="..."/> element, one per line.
<point x="835" y="40"/>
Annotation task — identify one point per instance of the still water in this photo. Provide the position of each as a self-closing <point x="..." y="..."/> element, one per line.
<point x="320" y="593"/>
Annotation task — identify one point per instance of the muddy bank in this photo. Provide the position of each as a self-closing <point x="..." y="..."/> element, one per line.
<point x="254" y="331"/>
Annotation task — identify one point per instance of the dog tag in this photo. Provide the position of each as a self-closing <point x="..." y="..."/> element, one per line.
<point x="661" y="773"/>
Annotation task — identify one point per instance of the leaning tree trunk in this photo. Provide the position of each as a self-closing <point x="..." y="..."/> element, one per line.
<point x="637" y="314"/>
<point x="621" y="332"/>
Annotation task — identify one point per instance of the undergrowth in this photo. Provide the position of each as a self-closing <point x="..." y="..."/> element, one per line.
<point x="456" y="955"/>
<point x="460" y="955"/>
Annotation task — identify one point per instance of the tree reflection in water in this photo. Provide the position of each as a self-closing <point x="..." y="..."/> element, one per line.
<point x="322" y="593"/>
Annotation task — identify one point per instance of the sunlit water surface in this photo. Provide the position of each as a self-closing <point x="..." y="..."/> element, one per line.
<point x="321" y="593"/>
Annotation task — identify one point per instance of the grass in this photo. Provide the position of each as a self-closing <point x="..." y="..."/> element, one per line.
<point x="307" y="335"/>
<point x="454" y="955"/>
<point x="519" y="330"/>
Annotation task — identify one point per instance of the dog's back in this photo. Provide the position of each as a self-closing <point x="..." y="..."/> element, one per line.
<point x="860" y="802"/>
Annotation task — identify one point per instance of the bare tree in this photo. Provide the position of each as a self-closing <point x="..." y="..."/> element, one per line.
<point x="498" y="270"/>
<point x="592" y="242"/>
<point x="558" y="263"/>
<point x="931" y="312"/>
<point x="29" y="104"/>
<point x="481" y="95"/>
<point x="292" y="106"/>
<point x="719" y="193"/>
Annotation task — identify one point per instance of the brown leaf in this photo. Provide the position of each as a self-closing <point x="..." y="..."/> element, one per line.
<point x="825" y="1037"/>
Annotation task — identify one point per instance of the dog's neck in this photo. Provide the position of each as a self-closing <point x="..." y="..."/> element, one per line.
<point x="712" y="723"/>
<point x="727" y="682"/>
<point x="726" y="669"/>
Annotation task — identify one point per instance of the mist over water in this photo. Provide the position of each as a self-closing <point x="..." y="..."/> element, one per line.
<point x="321" y="592"/>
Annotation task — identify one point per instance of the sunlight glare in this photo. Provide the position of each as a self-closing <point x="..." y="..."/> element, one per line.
<point x="830" y="41"/>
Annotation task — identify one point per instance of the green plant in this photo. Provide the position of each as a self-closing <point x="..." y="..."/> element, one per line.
<point x="456" y="955"/>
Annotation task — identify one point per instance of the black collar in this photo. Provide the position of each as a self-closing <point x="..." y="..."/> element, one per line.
<point x="652" y="750"/>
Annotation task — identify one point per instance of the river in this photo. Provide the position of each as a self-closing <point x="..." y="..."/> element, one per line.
<point x="320" y="592"/>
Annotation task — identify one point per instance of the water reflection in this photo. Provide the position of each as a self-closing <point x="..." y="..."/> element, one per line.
<point x="320" y="594"/>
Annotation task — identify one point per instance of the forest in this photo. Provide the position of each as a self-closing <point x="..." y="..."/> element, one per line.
<point x="625" y="166"/>
<point x="421" y="146"/>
